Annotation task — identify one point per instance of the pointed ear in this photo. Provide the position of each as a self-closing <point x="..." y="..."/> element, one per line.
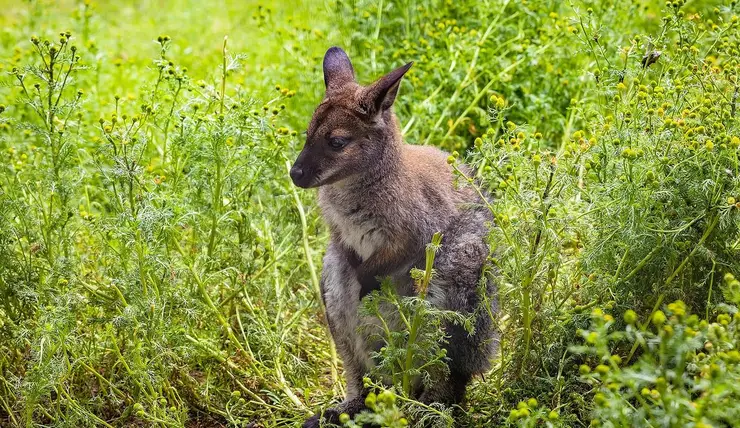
<point x="379" y="96"/>
<point x="337" y="68"/>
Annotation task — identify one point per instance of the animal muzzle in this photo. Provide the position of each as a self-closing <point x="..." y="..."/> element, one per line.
<point x="301" y="176"/>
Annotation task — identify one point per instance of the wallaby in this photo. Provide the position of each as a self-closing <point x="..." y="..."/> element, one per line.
<point x="383" y="201"/>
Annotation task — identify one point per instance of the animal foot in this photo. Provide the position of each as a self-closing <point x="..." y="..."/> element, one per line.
<point x="329" y="416"/>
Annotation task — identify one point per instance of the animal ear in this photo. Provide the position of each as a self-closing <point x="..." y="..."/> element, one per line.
<point x="379" y="96"/>
<point x="337" y="68"/>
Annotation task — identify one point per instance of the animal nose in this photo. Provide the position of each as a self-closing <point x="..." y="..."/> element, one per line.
<point x="296" y="173"/>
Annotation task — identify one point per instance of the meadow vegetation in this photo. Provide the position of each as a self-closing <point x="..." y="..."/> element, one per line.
<point x="158" y="267"/>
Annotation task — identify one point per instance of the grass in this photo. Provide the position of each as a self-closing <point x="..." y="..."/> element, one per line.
<point x="158" y="267"/>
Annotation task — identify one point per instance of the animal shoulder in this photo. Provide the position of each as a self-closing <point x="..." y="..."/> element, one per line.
<point x="425" y="156"/>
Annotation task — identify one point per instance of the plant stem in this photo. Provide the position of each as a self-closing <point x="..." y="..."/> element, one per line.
<point x="223" y="76"/>
<point x="670" y="279"/>
<point x="419" y="314"/>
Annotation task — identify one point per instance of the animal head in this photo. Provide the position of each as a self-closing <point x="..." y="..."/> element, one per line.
<point x="351" y="128"/>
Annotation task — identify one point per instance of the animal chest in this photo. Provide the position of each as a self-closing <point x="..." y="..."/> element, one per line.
<point x="358" y="228"/>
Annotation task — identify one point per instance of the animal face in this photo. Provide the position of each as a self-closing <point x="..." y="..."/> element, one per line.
<point x="350" y="127"/>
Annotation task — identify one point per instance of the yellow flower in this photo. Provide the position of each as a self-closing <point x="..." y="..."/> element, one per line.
<point x="659" y="318"/>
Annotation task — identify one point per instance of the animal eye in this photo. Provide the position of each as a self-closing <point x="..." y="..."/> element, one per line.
<point x="337" y="143"/>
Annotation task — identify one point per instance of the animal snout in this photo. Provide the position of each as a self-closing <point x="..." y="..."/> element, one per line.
<point x="298" y="175"/>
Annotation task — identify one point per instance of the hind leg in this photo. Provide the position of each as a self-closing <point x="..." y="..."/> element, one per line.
<point x="351" y="407"/>
<point x="448" y="392"/>
<point x="468" y="355"/>
<point x="458" y="286"/>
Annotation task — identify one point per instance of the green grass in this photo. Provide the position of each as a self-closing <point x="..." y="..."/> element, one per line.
<point x="158" y="267"/>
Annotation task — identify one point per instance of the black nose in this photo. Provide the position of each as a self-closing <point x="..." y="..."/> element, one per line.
<point x="296" y="173"/>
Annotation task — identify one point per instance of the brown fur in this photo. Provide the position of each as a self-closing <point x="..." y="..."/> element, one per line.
<point x="383" y="200"/>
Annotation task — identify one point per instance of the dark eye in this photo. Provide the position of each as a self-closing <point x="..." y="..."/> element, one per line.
<point x="337" y="143"/>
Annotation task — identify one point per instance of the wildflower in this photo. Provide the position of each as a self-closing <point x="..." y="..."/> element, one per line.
<point x="692" y="320"/>
<point x="388" y="397"/>
<point x="723" y="319"/>
<point x="629" y="153"/>
<point x="678" y="308"/>
<point x="370" y="400"/>
<point x="714" y="370"/>
<point x="658" y="318"/>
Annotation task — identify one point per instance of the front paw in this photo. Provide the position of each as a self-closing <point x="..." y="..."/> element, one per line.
<point x="329" y="416"/>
